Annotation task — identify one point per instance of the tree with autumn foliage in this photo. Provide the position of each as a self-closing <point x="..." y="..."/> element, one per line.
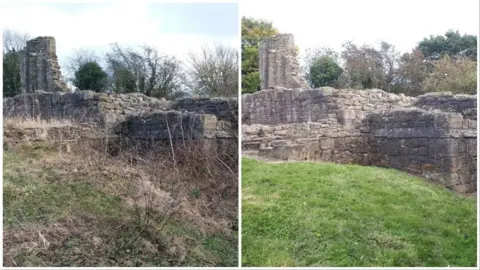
<point x="456" y="75"/>
<point x="411" y="73"/>
<point x="437" y="64"/>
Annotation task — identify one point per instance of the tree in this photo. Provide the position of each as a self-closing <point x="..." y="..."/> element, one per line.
<point x="452" y="44"/>
<point x="13" y="43"/>
<point x="363" y="66"/>
<point x="321" y="62"/>
<point x="456" y="75"/>
<point x="121" y="78"/>
<point x="367" y="67"/>
<point x="146" y="71"/>
<point x="390" y="59"/>
<point x="254" y="31"/>
<point x="90" y="76"/>
<point x="77" y="59"/>
<point x="11" y="74"/>
<point x="214" y="72"/>
<point x="324" y="71"/>
<point x="410" y="74"/>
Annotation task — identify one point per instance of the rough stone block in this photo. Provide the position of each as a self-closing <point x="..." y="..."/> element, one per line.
<point x="327" y="143"/>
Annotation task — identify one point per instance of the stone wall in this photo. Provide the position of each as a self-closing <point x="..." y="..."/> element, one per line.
<point x="446" y="102"/>
<point x="111" y="111"/>
<point x="279" y="65"/>
<point x="39" y="69"/>
<point x="81" y="106"/>
<point x="170" y="125"/>
<point x="440" y="146"/>
<point x="433" y="135"/>
<point x="436" y="140"/>
<point x="226" y="109"/>
<point x="132" y="118"/>
<point x="324" y="105"/>
<point x="182" y="128"/>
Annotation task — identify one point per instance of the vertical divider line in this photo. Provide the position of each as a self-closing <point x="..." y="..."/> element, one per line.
<point x="478" y="162"/>
<point x="239" y="123"/>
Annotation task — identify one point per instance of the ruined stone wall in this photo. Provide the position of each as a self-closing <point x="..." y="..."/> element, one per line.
<point x="446" y="102"/>
<point x="81" y="106"/>
<point x="433" y="135"/>
<point x="225" y="109"/>
<point x="86" y="106"/>
<point x="131" y="119"/>
<point x="324" y="105"/>
<point x="39" y="69"/>
<point x="368" y="127"/>
<point x="183" y="128"/>
<point x="440" y="146"/>
<point x="170" y="124"/>
<point x="136" y="116"/>
<point x="279" y="65"/>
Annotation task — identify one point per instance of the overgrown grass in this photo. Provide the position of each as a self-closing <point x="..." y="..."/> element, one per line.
<point x="322" y="214"/>
<point x="22" y="123"/>
<point x="87" y="208"/>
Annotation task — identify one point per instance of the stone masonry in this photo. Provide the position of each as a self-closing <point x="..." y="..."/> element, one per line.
<point x="279" y="65"/>
<point x="433" y="135"/>
<point x="39" y="69"/>
<point x="133" y="116"/>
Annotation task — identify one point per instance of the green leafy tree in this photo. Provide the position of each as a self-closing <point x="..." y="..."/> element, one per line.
<point x="90" y="76"/>
<point x="452" y="43"/>
<point x="367" y="67"/>
<point x="411" y="73"/>
<point x="364" y="66"/>
<point x="312" y="55"/>
<point x="324" y="71"/>
<point x="11" y="74"/>
<point x="76" y="59"/>
<point x="254" y="31"/>
<point x="456" y="75"/>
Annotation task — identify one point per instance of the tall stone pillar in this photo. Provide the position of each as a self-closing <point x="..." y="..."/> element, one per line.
<point x="39" y="68"/>
<point x="279" y="65"/>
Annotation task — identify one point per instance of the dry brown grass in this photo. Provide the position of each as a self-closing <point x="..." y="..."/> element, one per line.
<point x="197" y="190"/>
<point x="34" y="123"/>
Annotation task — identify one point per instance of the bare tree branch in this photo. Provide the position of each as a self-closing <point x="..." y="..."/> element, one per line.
<point x="214" y="72"/>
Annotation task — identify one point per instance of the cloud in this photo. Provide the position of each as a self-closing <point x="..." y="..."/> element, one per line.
<point x="97" y="25"/>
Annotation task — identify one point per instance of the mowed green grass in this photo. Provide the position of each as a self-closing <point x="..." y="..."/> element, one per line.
<point x="323" y="214"/>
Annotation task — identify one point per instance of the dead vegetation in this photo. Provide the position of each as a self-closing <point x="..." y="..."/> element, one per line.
<point x="118" y="204"/>
<point x="34" y="123"/>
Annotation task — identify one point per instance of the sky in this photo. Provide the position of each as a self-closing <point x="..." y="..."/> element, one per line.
<point x="329" y="23"/>
<point x="173" y="28"/>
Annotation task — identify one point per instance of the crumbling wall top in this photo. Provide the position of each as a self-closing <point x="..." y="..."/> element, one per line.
<point x="279" y="66"/>
<point x="41" y="44"/>
<point x="39" y="68"/>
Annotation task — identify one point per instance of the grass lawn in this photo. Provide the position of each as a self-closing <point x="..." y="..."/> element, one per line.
<point x="323" y="214"/>
<point x="59" y="211"/>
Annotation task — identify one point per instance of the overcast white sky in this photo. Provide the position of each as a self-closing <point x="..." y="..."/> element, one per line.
<point x="174" y="28"/>
<point x="330" y="23"/>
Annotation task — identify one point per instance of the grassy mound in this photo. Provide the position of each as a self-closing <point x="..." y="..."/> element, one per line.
<point x="322" y="214"/>
<point x="84" y="207"/>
